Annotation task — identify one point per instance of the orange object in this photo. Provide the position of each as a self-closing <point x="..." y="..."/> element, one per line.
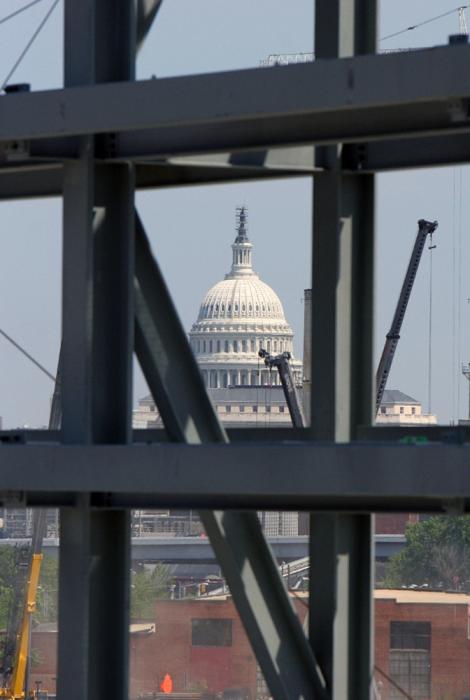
<point x="167" y="684"/>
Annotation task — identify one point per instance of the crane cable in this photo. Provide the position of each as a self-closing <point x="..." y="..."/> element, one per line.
<point x="431" y="248"/>
<point x="454" y="314"/>
<point x="29" y="44"/>
<point x="421" y="24"/>
<point x="459" y="292"/>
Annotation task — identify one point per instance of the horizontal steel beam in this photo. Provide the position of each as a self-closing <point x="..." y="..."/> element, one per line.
<point x="400" y="154"/>
<point x="419" y="434"/>
<point x="327" y="101"/>
<point x="353" y="477"/>
<point x="29" y="179"/>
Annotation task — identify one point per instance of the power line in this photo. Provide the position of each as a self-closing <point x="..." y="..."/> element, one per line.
<point x="26" y="354"/>
<point x="29" y="44"/>
<point x="18" y="12"/>
<point x="426" y="21"/>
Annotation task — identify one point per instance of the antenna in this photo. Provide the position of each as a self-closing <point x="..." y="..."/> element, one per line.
<point x="462" y="20"/>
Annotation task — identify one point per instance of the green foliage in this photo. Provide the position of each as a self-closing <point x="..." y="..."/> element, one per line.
<point x="7" y="582"/>
<point x="47" y="597"/>
<point x="437" y="553"/>
<point x="147" y="587"/>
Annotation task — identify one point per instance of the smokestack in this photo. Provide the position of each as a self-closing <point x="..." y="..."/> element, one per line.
<point x="306" y="383"/>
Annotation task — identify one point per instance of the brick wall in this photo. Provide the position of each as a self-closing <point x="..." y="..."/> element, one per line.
<point x="213" y="669"/>
<point x="393" y="523"/>
<point x="450" y="646"/>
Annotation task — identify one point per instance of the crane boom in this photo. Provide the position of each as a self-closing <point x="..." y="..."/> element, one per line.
<point x="425" y="228"/>
<point x="281" y="362"/>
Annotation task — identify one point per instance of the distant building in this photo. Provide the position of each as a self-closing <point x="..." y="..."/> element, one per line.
<point x="398" y="408"/>
<point x="422" y="645"/>
<point x="238" y="316"/>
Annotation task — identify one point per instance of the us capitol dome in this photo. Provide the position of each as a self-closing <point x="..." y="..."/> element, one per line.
<point x="240" y="315"/>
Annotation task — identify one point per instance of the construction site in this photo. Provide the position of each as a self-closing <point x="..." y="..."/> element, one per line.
<point x="252" y="481"/>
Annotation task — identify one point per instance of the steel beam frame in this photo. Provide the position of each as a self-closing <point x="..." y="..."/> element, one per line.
<point x="360" y="477"/>
<point x="341" y="119"/>
<point x="328" y="101"/>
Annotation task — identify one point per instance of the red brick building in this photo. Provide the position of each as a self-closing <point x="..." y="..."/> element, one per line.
<point x="421" y="643"/>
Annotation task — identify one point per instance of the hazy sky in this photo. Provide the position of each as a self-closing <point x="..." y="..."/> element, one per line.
<point x="191" y="228"/>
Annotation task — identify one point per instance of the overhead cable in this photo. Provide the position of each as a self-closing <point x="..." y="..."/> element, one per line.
<point x="426" y="21"/>
<point x="29" y="44"/>
<point x="26" y="354"/>
<point x="18" y="12"/>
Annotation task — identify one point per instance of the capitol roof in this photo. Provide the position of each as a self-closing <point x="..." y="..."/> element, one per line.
<point x="242" y="297"/>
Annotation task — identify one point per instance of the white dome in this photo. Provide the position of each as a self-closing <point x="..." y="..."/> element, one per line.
<point x="244" y="300"/>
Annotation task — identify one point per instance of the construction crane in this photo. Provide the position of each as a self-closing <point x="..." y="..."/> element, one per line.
<point x="16" y="648"/>
<point x="17" y="640"/>
<point x="425" y="228"/>
<point x="281" y="362"/>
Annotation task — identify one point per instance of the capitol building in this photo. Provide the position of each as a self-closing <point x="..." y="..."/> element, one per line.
<point x="238" y="316"/>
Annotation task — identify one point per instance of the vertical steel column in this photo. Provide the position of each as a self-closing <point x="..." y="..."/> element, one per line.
<point x="77" y="322"/>
<point x="97" y="363"/>
<point x="113" y="343"/>
<point x="342" y="376"/>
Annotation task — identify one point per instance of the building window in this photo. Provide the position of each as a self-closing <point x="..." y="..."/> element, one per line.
<point x="383" y="409"/>
<point x="203" y="346"/>
<point x="413" y="410"/>
<point x="252" y="346"/>
<point x="218" y="346"/>
<point x="226" y="346"/>
<point x="210" y="345"/>
<point x="402" y="409"/>
<point x="242" y="409"/>
<point x="410" y="659"/>
<point x="225" y="380"/>
<point x="281" y="409"/>
<point x="228" y="409"/>
<point x="198" y="346"/>
<point x="211" y="633"/>
<point x="268" y="346"/>
<point x="244" y="346"/>
<point x="255" y="409"/>
<point x="235" y="346"/>
<point x="268" y="409"/>
<point x="234" y="379"/>
<point x="275" y="346"/>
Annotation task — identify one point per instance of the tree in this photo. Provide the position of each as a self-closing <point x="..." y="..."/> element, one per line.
<point x="437" y="553"/>
<point x="147" y="587"/>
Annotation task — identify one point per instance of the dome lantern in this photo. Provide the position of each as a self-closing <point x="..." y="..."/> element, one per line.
<point x="241" y="248"/>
